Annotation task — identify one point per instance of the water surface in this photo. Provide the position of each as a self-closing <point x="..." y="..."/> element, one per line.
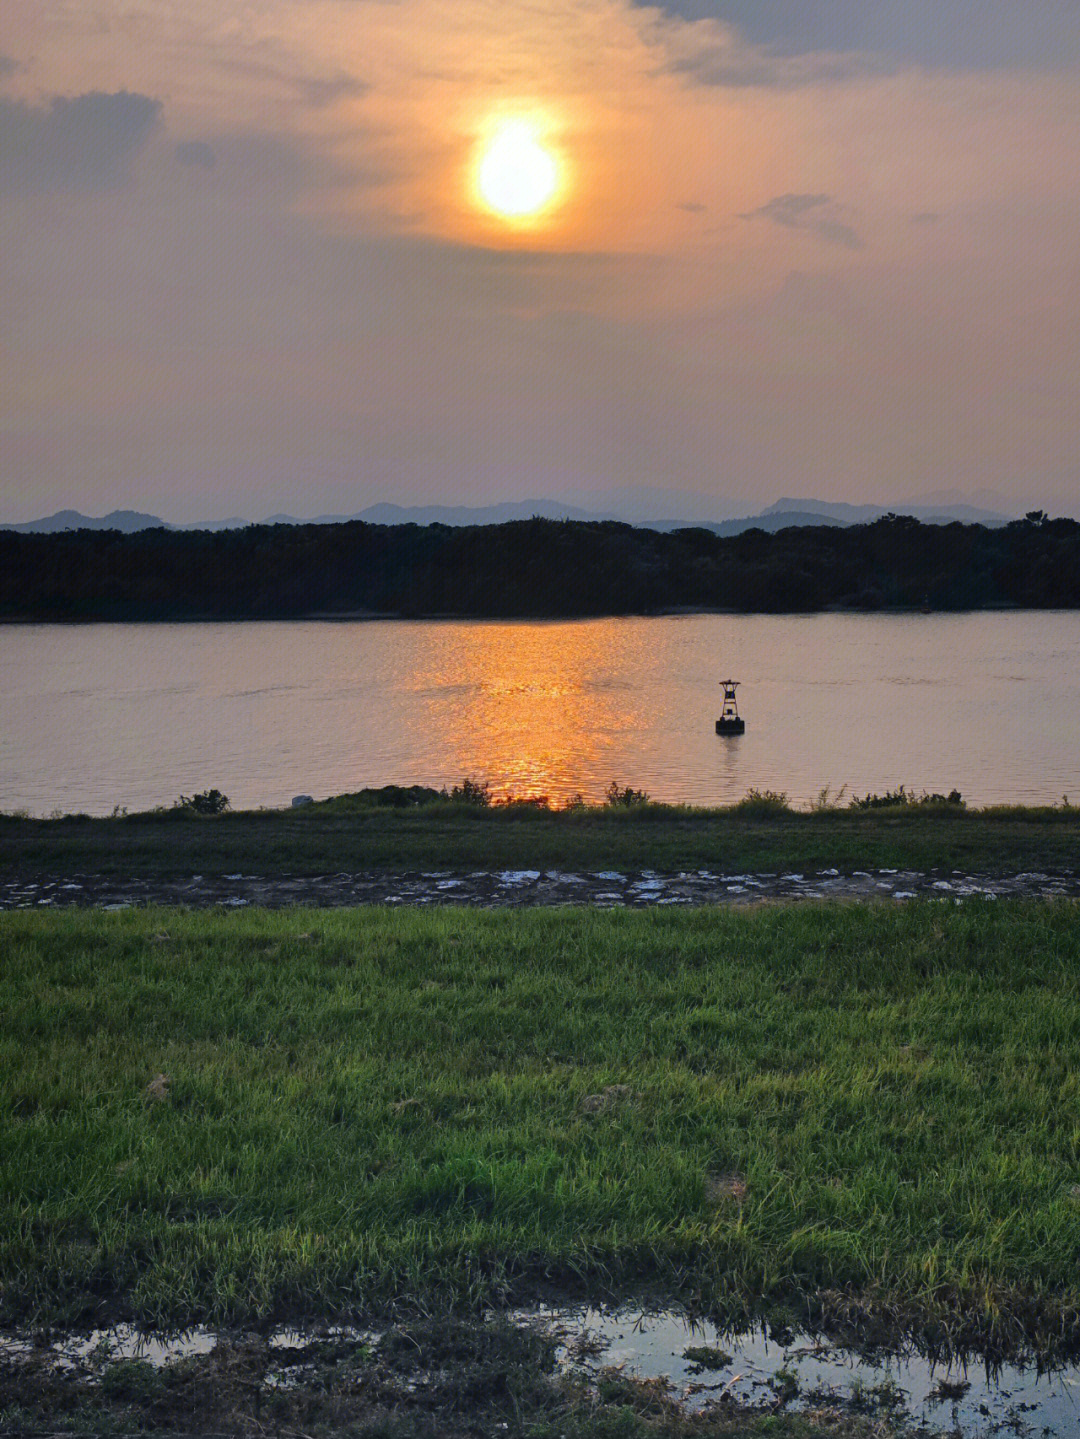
<point x="101" y="715"/>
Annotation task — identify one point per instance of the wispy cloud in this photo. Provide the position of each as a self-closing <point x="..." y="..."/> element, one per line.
<point x="817" y="213"/>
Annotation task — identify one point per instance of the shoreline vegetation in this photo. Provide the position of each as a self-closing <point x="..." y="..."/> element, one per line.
<point x="414" y="827"/>
<point x="534" y="569"/>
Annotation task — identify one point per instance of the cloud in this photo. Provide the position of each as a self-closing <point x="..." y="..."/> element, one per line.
<point x="958" y="34"/>
<point x="324" y="91"/>
<point x="8" y="66"/>
<point x="72" y="145"/>
<point x="197" y="153"/>
<point x="716" y="55"/>
<point x="818" y="213"/>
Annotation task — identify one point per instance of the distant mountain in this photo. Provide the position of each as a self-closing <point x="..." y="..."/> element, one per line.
<point x="784" y="514"/>
<point x="127" y="521"/>
<point x="774" y="519"/>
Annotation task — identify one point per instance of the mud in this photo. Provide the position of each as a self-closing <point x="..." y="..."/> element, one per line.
<point x="508" y="889"/>
<point x="540" y="1370"/>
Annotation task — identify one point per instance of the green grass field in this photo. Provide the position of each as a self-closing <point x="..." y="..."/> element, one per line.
<point x="838" y="1109"/>
<point x="343" y="834"/>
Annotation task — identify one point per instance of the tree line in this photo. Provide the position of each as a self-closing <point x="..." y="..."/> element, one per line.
<point x="533" y="568"/>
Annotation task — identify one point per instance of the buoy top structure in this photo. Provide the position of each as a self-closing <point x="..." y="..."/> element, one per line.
<point x="730" y="721"/>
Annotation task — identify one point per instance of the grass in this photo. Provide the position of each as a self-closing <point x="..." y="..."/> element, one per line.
<point x="850" y="1111"/>
<point x="344" y="834"/>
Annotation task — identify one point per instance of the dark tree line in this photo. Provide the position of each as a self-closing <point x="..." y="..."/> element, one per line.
<point x="532" y="568"/>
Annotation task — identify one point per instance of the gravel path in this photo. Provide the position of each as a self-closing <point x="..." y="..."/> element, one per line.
<point x="496" y="889"/>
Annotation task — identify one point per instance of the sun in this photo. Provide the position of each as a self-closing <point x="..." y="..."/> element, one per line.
<point x="516" y="177"/>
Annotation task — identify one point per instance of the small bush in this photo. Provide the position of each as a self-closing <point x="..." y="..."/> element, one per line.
<point x="527" y="803"/>
<point x="620" y="797"/>
<point x="575" y="803"/>
<point x="392" y="796"/>
<point x="891" y="799"/>
<point x="211" y="801"/>
<point x="954" y="798"/>
<point x="902" y="797"/>
<point x="472" y="792"/>
<point x="763" y="801"/>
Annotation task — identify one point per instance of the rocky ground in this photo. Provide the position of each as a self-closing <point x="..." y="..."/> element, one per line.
<point x="495" y="889"/>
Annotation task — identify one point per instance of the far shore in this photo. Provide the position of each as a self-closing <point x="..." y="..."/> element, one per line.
<point x="479" y="617"/>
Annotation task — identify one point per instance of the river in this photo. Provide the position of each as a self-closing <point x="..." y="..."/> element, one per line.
<point x="95" y="716"/>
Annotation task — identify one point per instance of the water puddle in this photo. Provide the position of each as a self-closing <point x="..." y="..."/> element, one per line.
<point x="704" y="1366"/>
<point x="707" y="1366"/>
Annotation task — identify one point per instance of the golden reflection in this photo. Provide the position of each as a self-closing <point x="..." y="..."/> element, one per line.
<point x="538" y="709"/>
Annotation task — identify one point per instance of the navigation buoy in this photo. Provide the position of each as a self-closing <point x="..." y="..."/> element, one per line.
<point x="730" y="721"/>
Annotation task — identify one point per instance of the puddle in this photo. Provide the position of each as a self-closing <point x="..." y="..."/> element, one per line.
<point x="967" y="1400"/>
<point x="123" y="1342"/>
<point x="704" y="1365"/>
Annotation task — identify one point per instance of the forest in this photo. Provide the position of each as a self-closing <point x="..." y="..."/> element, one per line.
<point x="533" y="568"/>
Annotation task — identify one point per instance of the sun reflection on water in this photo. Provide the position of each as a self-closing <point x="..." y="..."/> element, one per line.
<point x="537" y="709"/>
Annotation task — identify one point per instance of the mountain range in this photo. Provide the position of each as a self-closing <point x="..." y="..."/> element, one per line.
<point x="783" y="514"/>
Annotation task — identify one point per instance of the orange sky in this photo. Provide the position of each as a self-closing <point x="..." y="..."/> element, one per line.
<point x="832" y="272"/>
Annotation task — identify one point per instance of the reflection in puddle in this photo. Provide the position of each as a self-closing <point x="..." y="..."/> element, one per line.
<point x="706" y="1365"/>
<point x="126" y="1342"/>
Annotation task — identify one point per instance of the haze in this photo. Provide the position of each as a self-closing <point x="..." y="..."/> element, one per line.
<point x="825" y="250"/>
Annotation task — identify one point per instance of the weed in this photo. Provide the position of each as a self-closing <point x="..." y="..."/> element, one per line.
<point x="825" y="802"/>
<point x="210" y="801"/>
<point x="624" y="797"/>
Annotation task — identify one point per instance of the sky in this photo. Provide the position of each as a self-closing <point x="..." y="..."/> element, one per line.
<point x="809" y="248"/>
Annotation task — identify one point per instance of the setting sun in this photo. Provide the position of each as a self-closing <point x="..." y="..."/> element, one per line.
<point x="517" y="176"/>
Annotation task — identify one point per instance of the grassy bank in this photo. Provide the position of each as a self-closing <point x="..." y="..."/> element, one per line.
<point x="844" y="1110"/>
<point x="343" y="834"/>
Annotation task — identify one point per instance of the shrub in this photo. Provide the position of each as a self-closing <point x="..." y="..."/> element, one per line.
<point x="763" y="801"/>
<point x="472" y="792"/>
<point x="902" y="797"/>
<point x="392" y="796"/>
<point x="891" y="799"/>
<point x="954" y="798"/>
<point x="211" y="801"/>
<point x="619" y="797"/>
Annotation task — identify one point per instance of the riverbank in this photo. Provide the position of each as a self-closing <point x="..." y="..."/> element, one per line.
<point x="351" y="834"/>
<point x="860" y="1117"/>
